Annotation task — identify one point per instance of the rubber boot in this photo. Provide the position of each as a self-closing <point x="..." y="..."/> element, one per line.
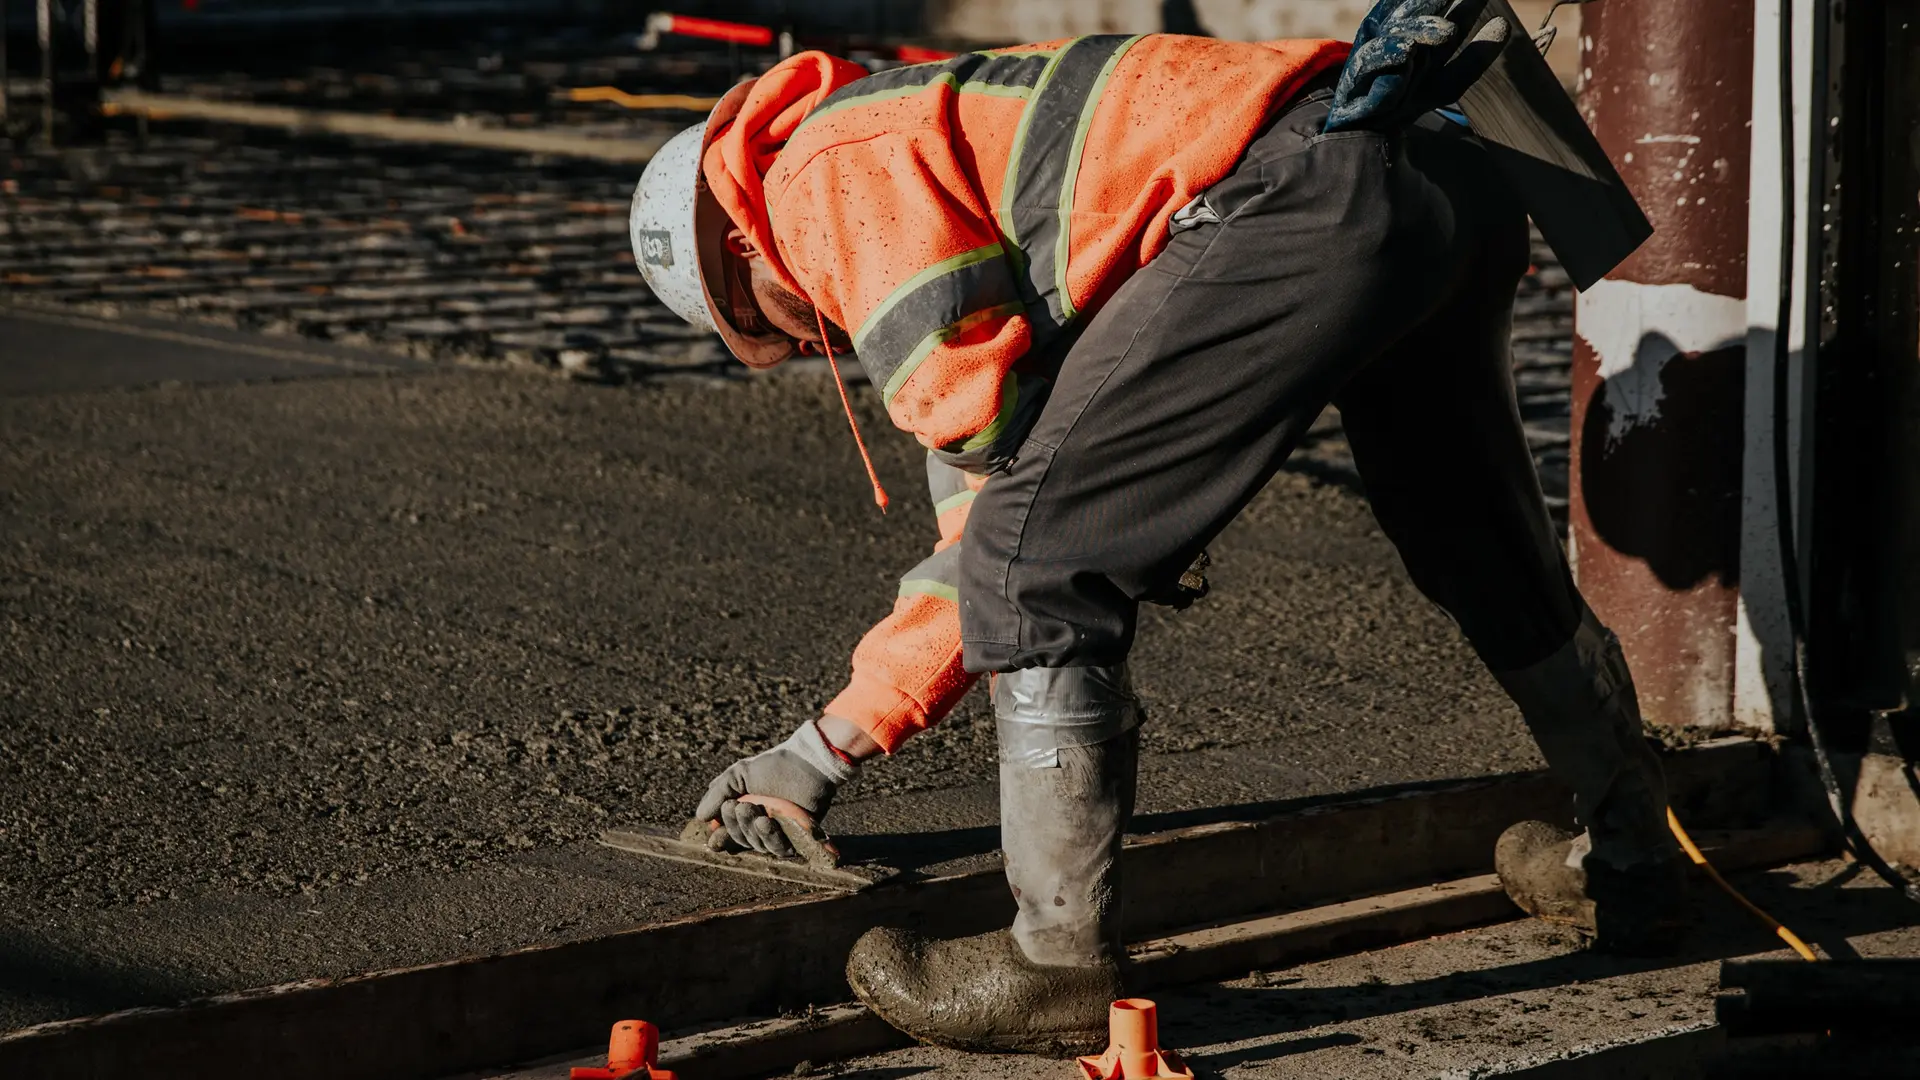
<point x="1042" y="986"/>
<point x="1636" y="911"/>
<point x="1621" y="882"/>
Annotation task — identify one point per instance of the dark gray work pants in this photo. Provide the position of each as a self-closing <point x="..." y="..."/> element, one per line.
<point x="1373" y="272"/>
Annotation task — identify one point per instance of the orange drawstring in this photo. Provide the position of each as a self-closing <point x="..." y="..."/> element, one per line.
<point x="879" y="493"/>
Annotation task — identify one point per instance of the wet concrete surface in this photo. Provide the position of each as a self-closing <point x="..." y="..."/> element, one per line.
<point x="311" y="676"/>
<point x="1482" y="1002"/>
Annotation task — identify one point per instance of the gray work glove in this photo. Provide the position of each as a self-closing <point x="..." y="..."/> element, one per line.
<point x="804" y="770"/>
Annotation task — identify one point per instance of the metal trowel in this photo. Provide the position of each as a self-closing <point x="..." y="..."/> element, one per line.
<point x="704" y="843"/>
<point x="1560" y="172"/>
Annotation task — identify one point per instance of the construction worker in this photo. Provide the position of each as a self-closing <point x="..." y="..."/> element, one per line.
<point x="1108" y="283"/>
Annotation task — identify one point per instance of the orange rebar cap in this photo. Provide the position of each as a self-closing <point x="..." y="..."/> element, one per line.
<point x="1134" y="1052"/>
<point x="632" y="1051"/>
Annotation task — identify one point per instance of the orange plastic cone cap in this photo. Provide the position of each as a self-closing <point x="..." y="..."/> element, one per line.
<point x="632" y="1051"/>
<point x="1133" y="1051"/>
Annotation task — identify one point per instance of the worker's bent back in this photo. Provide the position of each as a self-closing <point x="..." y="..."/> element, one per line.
<point x="961" y="219"/>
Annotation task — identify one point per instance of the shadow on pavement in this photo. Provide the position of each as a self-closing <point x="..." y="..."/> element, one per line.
<point x="63" y="983"/>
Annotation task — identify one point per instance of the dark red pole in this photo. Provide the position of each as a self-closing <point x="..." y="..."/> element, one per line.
<point x="1659" y="350"/>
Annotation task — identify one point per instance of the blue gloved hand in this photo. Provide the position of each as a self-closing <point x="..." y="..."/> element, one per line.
<point x="1407" y="60"/>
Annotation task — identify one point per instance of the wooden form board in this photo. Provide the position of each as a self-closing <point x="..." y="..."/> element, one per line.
<point x="767" y="959"/>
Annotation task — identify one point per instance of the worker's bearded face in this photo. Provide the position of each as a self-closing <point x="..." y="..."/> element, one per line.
<point x="778" y="307"/>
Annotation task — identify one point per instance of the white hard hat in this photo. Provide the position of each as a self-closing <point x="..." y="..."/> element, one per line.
<point x="678" y="231"/>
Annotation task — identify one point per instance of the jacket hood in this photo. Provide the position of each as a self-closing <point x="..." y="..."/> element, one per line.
<point x="737" y="159"/>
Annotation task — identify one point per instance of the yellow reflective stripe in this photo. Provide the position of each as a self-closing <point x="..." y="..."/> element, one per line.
<point x="923" y="587"/>
<point x="945" y="79"/>
<point x="1062" y="242"/>
<point x="1010" y="186"/>
<point x="995" y="90"/>
<point x="1009" y="401"/>
<point x="953" y="502"/>
<point x="940" y="337"/>
<point x="912" y="285"/>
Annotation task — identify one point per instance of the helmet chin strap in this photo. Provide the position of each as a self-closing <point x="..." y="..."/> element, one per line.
<point x="879" y="493"/>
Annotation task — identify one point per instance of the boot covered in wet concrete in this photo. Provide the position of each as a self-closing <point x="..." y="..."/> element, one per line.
<point x="1622" y="881"/>
<point x="1637" y="911"/>
<point x="983" y="993"/>
<point x="1069" y="751"/>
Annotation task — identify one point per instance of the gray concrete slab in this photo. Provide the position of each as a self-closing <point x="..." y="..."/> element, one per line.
<point x="269" y="645"/>
<point x="119" y="957"/>
<point x="1479" y="1003"/>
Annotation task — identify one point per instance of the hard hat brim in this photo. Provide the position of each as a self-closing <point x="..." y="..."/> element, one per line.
<point x="710" y="226"/>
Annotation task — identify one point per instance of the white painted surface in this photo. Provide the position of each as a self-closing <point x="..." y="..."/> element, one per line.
<point x="1763" y="639"/>
<point x="1635" y="330"/>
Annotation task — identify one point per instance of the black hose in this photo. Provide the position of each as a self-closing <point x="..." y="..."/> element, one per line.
<point x="1856" y="840"/>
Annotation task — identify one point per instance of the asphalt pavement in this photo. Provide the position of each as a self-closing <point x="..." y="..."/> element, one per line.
<point x="315" y="664"/>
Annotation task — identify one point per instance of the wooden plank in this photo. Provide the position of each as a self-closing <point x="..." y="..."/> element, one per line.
<point x="158" y="106"/>
<point x="1360" y="846"/>
<point x="1407" y="915"/>
<point x="768" y="959"/>
<point x="1337" y="929"/>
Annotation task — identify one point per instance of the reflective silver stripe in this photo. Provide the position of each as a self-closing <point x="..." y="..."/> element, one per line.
<point x="938" y="298"/>
<point x="1040" y="711"/>
<point x="954" y="502"/>
<point x="1038" y="196"/>
<point x="971" y="73"/>
<point x="937" y="575"/>
<point x="944" y="483"/>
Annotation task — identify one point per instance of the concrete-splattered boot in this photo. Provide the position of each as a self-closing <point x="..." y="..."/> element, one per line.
<point x="1622" y="882"/>
<point x="1069" y="750"/>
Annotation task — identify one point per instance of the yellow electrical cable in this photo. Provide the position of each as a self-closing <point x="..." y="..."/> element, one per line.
<point x="1700" y="860"/>
<point x="641" y="101"/>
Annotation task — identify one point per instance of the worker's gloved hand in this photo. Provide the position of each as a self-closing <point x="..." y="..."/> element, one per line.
<point x="1407" y="60"/>
<point x="804" y="770"/>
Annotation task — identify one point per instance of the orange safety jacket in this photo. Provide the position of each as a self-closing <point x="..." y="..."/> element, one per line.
<point x="961" y="219"/>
